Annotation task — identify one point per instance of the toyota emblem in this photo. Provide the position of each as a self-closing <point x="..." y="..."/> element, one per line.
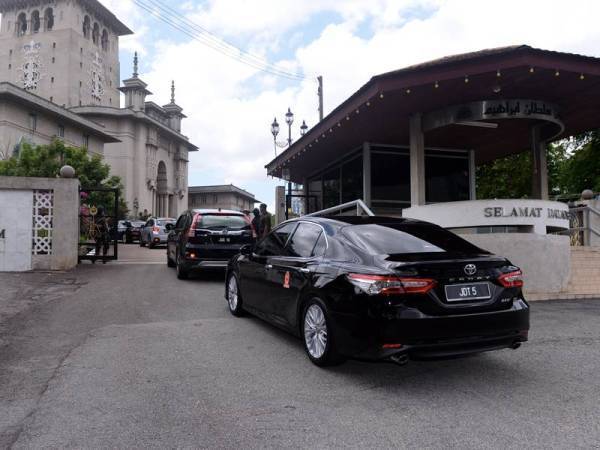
<point x="470" y="269"/>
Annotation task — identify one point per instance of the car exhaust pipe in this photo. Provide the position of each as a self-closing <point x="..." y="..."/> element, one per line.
<point x="515" y="345"/>
<point x="400" y="359"/>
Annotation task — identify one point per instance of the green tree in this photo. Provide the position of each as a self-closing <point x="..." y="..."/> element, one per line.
<point x="582" y="169"/>
<point x="46" y="161"/>
<point x="511" y="176"/>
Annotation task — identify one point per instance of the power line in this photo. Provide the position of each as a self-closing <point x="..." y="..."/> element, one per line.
<point x="196" y="32"/>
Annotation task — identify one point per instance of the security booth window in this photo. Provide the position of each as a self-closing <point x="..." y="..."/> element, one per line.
<point x="447" y="176"/>
<point x="331" y="188"/>
<point x="390" y="179"/>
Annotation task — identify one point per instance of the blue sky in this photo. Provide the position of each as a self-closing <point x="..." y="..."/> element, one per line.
<point x="230" y="106"/>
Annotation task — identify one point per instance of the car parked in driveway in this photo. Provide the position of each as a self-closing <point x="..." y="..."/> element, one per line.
<point x="155" y="232"/>
<point x="133" y="231"/>
<point x="207" y="238"/>
<point x="379" y="288"/>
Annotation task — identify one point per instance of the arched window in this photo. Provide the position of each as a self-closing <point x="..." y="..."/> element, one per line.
<point x="86" y="27"/>
<point x="21" y="24"/>
<point x="49" y="19"/>
<point x="105" y="40"/>
<point x="96" y="34"/>
<point x="35" y="21"/>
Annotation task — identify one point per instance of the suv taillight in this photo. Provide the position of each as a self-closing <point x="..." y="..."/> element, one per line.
<point x="192" y="230"/>
<point x="511" y="279"/>
<point x="391" y="285"/>
<point x="156" y="230"/>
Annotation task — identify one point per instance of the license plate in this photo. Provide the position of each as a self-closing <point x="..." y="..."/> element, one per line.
<point x="467" y="292"/>
<point x="224" y="240"/>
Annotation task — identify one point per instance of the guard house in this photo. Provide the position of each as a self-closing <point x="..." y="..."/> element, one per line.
<point x="408" y="142"/>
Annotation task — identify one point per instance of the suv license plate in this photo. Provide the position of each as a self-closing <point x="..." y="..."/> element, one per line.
<point x="224" y="240"/>
<point x="467" y="292"/>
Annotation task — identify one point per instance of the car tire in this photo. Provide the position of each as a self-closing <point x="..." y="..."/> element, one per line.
<point x="234" y="297"/>
<point x="150" y="245"/>
<point x="182" y="273"/>
<point x="317" y="334"/>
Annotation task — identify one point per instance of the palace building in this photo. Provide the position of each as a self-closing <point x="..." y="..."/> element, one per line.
<point x="60" y="78"/>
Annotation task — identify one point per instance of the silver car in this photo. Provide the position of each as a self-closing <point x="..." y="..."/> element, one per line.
<point x="154" y="232"/>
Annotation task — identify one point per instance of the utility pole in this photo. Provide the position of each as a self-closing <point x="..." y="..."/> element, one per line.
<point x="320" y="94"/>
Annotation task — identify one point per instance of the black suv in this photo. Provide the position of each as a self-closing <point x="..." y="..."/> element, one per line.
<point x="206" y="238"/>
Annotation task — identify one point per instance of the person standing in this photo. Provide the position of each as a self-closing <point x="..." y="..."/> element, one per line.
<point x="265" y="221"/>
<point x="256" y="223"/>
<point x="102" y="235"/>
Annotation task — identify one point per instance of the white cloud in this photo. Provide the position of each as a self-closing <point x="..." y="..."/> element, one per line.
<point x="230" y="105"/>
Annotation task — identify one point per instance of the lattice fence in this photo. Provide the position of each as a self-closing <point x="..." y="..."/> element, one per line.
<point x="43" y="209"/>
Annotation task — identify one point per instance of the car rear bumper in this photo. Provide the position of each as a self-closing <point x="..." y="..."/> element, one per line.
<point x="205" y="263"/>
<point x="419" y="336"/>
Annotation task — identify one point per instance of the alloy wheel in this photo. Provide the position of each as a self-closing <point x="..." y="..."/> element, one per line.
<point x="315" y="331"/>
<point x="232" y="293"/>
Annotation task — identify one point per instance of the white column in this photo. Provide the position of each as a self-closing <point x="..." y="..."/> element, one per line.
<point x="472" y="176"/>
<point x="417" y="161"/>
<point x="540" y="168"/>
<point x="367" y="173"/>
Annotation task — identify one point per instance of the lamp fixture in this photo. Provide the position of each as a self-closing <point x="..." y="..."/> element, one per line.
<point x="469" y="123"/>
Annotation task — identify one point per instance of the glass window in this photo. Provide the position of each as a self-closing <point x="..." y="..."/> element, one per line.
<point x="320" y="246"/>
<point x="303" y="241"/>
<point x="390" y="177"/>
<point x="274" y="243"/>
<point x="447" y="178"/>
<point x="392" y="239"/>
<point x="315" y="187"/>
<point x="352" y="180"/>
<point x="222" y="222"/>
<point x="331" y="188"/>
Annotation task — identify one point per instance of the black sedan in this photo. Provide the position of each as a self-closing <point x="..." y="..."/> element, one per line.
<point x="379" y="288"/>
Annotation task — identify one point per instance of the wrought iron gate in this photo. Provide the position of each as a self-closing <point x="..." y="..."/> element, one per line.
<point x="98" y="224"/>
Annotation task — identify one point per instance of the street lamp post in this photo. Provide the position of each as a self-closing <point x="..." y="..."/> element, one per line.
<point x="289" y="120"/>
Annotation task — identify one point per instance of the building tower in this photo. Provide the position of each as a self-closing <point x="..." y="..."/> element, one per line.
<point x="66" y="51"/>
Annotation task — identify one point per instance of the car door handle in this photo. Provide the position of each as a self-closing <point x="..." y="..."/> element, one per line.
<point x="304" y="270"/>
<point x="268" y="266"/>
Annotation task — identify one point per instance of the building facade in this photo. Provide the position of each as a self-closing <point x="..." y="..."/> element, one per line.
<point x="66" y="52"/>
<point x="221" y="196"/>
<point x="27" y="118"/>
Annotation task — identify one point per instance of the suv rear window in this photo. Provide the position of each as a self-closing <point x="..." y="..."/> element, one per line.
<point x="162" y="223"/>
<point x="390" y="239"/>
<point x="222" y="221"/>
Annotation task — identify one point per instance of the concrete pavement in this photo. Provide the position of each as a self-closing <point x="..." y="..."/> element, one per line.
<point x="133" y="357"/>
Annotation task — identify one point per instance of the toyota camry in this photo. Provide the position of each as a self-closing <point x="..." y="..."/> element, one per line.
<point x="379" y="288"/>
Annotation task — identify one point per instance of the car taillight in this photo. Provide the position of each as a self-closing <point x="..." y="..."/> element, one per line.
<point x="156" y="230"/>
<point x="511" y="279"/>
<point x="192" y="230"/>
<point x="390" y="285"/>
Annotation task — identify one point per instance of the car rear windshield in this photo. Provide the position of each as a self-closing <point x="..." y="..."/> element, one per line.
<point x="222" y="221"/>
<point x="162" y="222"/>
<point x="390" y="239"/>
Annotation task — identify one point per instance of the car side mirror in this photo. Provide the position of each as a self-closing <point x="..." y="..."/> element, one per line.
<point x="169" y="227"/>
<point x="247" y="249"/>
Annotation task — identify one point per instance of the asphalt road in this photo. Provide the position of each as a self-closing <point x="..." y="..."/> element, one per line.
<point x="125" y="355"/>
